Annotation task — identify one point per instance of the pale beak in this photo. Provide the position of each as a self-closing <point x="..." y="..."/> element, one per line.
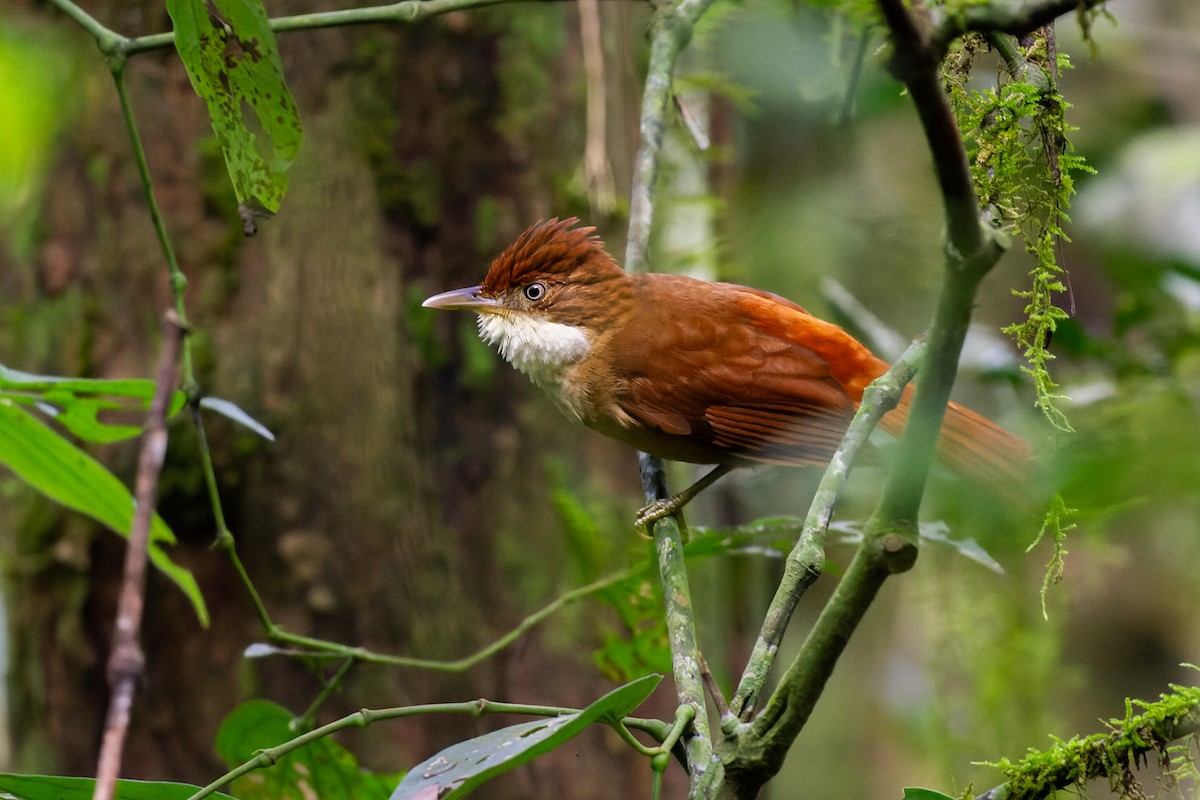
<point x="468" y="299"/>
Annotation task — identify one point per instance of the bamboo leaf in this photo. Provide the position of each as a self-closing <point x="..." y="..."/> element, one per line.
<point x="64" y="473"/>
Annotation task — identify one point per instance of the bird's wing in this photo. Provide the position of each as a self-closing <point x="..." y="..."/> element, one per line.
<point x="730" y="377"/>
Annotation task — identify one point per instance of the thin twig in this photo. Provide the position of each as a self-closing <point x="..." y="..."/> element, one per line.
<point x="661" y="731"/>
<point x="126" y="662"/>
<point x="321" y="648"/>
<point x="714" y="691"/>
<point x="113" y="44"/>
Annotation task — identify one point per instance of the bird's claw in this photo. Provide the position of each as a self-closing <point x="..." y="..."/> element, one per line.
<point x="659" y="509"/>
<point x="656" y="511"/>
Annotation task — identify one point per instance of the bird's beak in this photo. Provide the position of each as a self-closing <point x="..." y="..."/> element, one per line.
<point x="468" y="299"/>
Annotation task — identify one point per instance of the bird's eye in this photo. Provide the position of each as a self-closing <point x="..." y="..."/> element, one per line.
<point x="535" y="292"/>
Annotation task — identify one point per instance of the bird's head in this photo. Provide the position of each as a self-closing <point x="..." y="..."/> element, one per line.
<point x="546" y="298"/>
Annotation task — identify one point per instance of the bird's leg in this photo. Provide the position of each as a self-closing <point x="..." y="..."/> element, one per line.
<point x="665" y="508"/>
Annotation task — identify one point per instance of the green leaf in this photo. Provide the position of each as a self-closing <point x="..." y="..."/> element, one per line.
<point x="60" y="787"/>
<point x="80" y="415"/>
<point x="322" y="768"/>
<point x="229" y="51"/>
<point x="460" y="768"/>
<point x="231" y="410"/>
<point x="75" y="403"/>
<point x="911" y="793"/>
<point x="638" y="643"/>
<point x="67" y="475"/>
<point x="27" y="381"/>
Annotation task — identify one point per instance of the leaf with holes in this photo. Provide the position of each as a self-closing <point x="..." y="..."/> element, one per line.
<point x="229" y="51"/>
<point x="460" y="768"/>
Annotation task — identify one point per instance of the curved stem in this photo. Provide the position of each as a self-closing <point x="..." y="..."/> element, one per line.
<point x="361" y="719"/>
<point x="323" y="648"/>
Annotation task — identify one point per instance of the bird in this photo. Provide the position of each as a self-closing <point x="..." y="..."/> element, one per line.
<point x="692" y="370"/>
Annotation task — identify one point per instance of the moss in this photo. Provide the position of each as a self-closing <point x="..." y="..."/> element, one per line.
<point x="1111" y="755"/>
<point x="1023" y="166"/>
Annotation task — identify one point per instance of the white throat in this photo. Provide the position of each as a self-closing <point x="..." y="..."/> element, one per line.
<point x="541" y="349"/>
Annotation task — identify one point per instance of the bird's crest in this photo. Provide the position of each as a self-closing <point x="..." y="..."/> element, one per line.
<point x="548" y="249"/>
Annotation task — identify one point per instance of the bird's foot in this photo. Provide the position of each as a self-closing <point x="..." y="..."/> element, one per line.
<point x="661" y="509"/>
<point x="657" y="510"/>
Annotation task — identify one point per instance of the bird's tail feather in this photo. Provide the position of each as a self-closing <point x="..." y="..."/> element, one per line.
<point x="976" y="448"/>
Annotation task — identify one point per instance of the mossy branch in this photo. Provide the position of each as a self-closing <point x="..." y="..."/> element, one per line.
<point x="753" y="752"/>
<point x="1113" y="755"/>
<point x="972" y="249"/>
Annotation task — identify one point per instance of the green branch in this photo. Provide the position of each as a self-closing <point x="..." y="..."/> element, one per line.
<point x="803" y="564"/>
<point x="671" y="31"/>
<point x="112" y="43"/>
<point x="972" y="249"/>
<point x="755" y="751"/>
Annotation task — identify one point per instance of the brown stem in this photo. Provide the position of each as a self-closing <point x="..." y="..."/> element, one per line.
<point x="125" y="663"/>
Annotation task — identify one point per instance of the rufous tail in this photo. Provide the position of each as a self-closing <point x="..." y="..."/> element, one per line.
<point x="975" y="448"/>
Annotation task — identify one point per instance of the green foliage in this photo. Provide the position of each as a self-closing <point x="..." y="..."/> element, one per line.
<point x="460" y="768"/>
<point x="58" y="469"/>
<point x="60" y="787"/>
<point x="64" y="473"/>
<point x="1024" y="167"/>
<point x="1112" y="755"/>
<point x="76" y="403"/>
<point x="322" y="768"/>
<point x="229" y="51"/>
<point x="638" y="643"/>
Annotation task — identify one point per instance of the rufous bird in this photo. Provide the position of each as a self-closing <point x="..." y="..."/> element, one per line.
<point x="692" y="370"/>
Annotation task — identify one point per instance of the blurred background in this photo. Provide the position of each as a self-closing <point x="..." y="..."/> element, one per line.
<point x="421" y="497"/>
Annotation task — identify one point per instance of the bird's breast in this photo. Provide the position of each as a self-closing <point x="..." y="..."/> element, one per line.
<point x="544" y="350"/>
